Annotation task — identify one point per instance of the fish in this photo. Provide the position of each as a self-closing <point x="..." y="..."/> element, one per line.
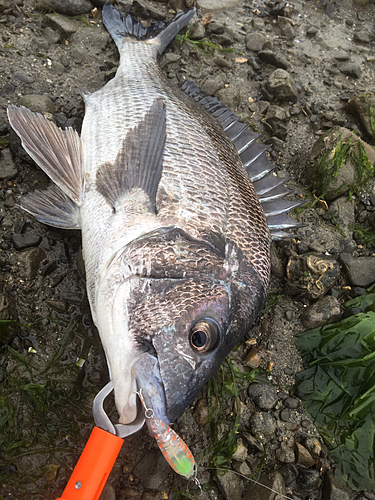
<point x="177" y="207"/>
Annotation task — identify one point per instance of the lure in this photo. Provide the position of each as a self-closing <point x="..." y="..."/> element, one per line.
<point x="173" y="448"/>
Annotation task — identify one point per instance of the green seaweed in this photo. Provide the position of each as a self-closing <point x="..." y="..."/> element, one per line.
<point x="338" y="389"/>
<point x="203" y="45"/>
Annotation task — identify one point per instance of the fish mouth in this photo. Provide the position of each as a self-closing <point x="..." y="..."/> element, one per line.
<point x="146" y="372"/>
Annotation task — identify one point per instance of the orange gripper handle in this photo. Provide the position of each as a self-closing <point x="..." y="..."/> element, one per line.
<point x="93" y="467"/>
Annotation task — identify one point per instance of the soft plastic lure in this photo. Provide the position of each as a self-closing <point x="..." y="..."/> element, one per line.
<point x="173" y="448"/>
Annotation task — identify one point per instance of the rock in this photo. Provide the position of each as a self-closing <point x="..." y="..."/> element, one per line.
<point x="93" y="41"/>
<point x="197" y="31"/>
<point x="217" y="5"/>
<point x="363" y="36"/>
<point x="272" y="480"/>
<point x="311" y="31"/>
<point x="255" y="41"/>
<point x="4" y="309"/>
<point x="169" y="58"/>
<point x="333" y="489"/>
<point x="360" y="270"/>
<point x="263" y="424"/>
<point x="280" y="85"/>
<point x="363" y="107"/>
<point x="303" y="457"/>
<point x="9" y="4"/>
<point x="307" y="481"/>
<point x="145" y="10"/>
<point x="253" y="445"/>
<point x="276" y="118"/>
<point x="231" y="484"/>
<point x="52" y="36"/>
<point x="350" y="69"/>
<point x="23" y="77"/>
<point x="285" y="453"/>
<point x="60" y="24"/>
<point x="325" y="310"/>
<point x="58" y="305"/>
<point x="216" y="28"/>
<point x="253" y="358"/>
<point x="108" y="493"/>
<point x="65" y="7"/>
<point x="201" y="412"/>
<point x="222" y="62"/>
<point x="292" y="403"/>
<point x="22" y="241"/>
<point x="230" y="96"/>
<point x="284" y="415"/>
<point x="263" y="395"/>
<point x="28" y="262"/>
<point x="270" y="57"/>
<point x="212" y="85"/>
<point x="342" y="210"/>
<point x="342" y="180"/>
<point x="241" y="453"/>
<point x="38" y="103"/>
<point x="8" y="169"/>
<point x="152" y="470"/>
<point x="9" y="201"/>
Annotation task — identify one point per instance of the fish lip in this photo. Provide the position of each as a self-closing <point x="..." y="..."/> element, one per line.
<point x="149" y="382"/>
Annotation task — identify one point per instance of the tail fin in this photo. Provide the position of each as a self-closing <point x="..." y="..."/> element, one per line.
<point x="161" y="33"/>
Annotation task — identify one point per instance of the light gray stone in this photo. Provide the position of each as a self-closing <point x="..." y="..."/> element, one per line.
<point x="325" y="310"/>
<point x="281" y="86"/>
<point x="8" y="169"/>
<point x="360" y="270"/>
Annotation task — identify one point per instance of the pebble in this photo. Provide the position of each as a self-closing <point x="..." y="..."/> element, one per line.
<point x="263" y="395"/>
<point x="231" y="484"/>
<point x="363" y="36"/>
<point x="311" y="31"/>
<point x="289" y="316"/>
<point x="197" y="31"/>
<point x="229" y="96"/>
<point x="325" y="310"/>
<point x="285" y="453"/>
<point x="263" y="424"/>
<point x="201" y="412"/>
<point x="350" y="69"/>
<point x="8" y="169"/>
<point x="360" y="270"/>
<point x="22" y="241"/>
<point x="270" y="57"/>
<point x="253" y="445"/>
<point x="358" y="106"/>
<point x="255" y="41"/>
<point x="52" y="36"/>
<point x="285" y="415"/>
<point x="241" y="452"/>
<point x="38" y="103"/>
<point x="291" y="403"/>
<point x="280" y="85"/>
<point x="303" y="457"/>
<point x="9" y="201"/>
<point x="61" y="24"/>
<point x="65" y="7"/>
<point x="222" y="62"/>
<point x="212" y="85"/>
<point x="23" y="77"/>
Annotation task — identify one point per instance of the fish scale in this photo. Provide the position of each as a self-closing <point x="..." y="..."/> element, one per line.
<point x="175" y="240"/>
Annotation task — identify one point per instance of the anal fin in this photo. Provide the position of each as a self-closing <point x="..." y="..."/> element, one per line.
<point x="139" y="162"/>
<point x="58" y="152"/>
<point x="53" y="207"/>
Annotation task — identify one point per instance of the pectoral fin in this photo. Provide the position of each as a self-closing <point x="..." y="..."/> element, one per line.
<point x="58" y="152"/>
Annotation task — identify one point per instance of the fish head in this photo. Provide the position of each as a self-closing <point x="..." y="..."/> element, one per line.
<point x="187" y="314"/>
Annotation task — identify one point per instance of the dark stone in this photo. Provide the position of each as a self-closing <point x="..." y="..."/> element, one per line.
<point x="325" y="310"/>
<point x="360" y="270"/>
<point x="307" y="480"/>
<point x="263" y="395"/>
<point x="152" y="470"/>
<point x="289" y="473"/>
<point x="302" y="248"/>
<point x="29" y="261"/>
<point x="270" y="57"/>
<point x="263" y="424"/>
<point x="292" y="403"/>
<point x="350" y="69"/>
<point x="8" y="169"/>
<point x="311" y="31"/>
<point x="22" y="241"/>
<point x="66" y="7"/>
<point x="285" y="415"/>
<point x="23" y="77"/>
<point x="333" y="489"/>
<point x="273" y="481"/>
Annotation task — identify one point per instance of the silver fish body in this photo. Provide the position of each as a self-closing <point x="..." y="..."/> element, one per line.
<point x="175" y="241"/>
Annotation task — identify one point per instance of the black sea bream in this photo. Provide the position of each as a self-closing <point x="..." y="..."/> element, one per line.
<point x="175" y="241"/>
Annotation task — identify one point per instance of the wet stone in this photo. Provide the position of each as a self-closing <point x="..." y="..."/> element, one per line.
<point x="291" y="403"/>
<point x="38" y="103"/>
<point x="52" y="36"/>
<point x="241" y="453"/>
<point x="270" y="57"/>
<point x="231" y="484"/>
<point x="289" y="315"/>
<point x="280" y="85"/>
<point x="197" y="31"/>
<point x="63" y="25"/>
<point x="263" y="395"/>
<point x="22" y="241"/>
<point x="285" y="453"/>
<point x="313" y="446"/>
<point x="311" y="31"/>
<point x="285" y="415"/>
<point x="263" y="424"/>
<point x="201" y="412"/>
<point x="325" y="310"/>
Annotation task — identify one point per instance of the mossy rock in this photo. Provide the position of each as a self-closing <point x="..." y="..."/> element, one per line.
<point x="340" y="164"/>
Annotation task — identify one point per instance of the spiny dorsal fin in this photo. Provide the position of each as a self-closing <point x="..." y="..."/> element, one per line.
<point x="139" y="162"/>
<point x="270" y="189"/>
<point x="52" y="207"/>
<point x="160" y="34"/>
<point x="58" y="152"/>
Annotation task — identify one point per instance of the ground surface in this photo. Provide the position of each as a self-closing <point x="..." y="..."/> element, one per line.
<point x="45" y="391"/>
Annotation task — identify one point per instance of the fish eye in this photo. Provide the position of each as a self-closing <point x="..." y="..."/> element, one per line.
<point x="204" y="335"/>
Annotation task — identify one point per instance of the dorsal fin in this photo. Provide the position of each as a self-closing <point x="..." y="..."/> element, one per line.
<point x="139" y="162"/>
<point x="270" y="189"/>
